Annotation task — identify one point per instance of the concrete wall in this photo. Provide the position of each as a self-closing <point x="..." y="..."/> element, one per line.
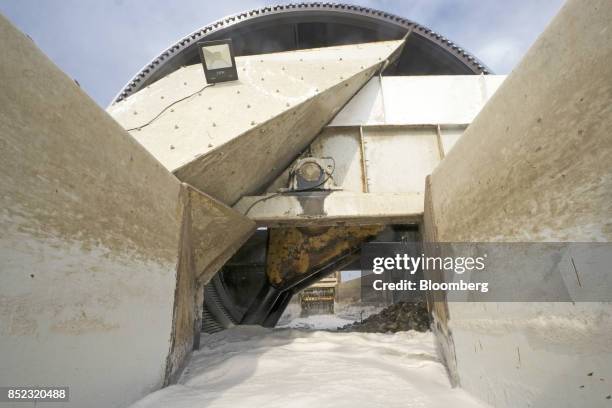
<point x="535" y="166"/>
<point x="89" y="246"/>
<point x="93" y="231"/>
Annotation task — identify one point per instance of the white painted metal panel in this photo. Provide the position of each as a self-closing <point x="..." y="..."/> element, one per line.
<point x="449" y="136"/>
<point x="433" y="99"/>
<point x="344" y="146"/>
<point x="268" y="85"/>
<point x="416" y="100"/>
<point x="270" y="115"/>
<point x="399" y="159"/>
<point x="366" y="107"/>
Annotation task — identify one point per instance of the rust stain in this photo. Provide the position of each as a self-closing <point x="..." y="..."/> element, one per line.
<point x="184" y="309"/>
<point x="15" y="311"/>
<point x="82" y="325"/>
<point x="296" y="251"/>
<point x="217" y="231"/>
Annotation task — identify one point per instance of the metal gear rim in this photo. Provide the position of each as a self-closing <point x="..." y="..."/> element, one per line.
<point x="477" y="66"/>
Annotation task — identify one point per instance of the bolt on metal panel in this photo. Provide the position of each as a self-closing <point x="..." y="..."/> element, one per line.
<point x="276" y="108"/>
<point x="343" y="145"/>
<point x="399" y="159"/>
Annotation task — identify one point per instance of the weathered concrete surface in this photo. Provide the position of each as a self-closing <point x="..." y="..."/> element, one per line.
<point x="91" y="228"/>
<point x="211" y="232"/>
<point x="535" y="166"/>
<point x="89" y="245"/>
<point x="540" y="150"/>
<point x="186" y="311"/>
<point x="217" y="232"/>
<point x="233" y="138"/>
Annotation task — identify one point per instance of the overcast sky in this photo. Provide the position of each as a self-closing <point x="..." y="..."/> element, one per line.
<point x="103" y="43"/>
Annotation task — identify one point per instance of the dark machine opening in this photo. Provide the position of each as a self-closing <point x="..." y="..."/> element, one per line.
<point x="258" y="282"/>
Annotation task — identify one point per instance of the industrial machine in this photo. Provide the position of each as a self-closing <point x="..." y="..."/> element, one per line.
<point x="190" y="207"/>
<point x="319" y="297"/>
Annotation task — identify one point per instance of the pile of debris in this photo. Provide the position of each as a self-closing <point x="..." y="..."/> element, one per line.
<point x="402" y="316"/>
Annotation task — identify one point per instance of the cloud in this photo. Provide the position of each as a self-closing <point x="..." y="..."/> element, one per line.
<point x="502" y="54"/>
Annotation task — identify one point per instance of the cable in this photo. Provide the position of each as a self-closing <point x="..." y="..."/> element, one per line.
<point x="329" y="176"/>
<point x="261" y="200"/>
<point x="169" y="106"/>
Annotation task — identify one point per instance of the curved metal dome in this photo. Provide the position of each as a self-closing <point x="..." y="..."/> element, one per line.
<point x="309" y="25"/>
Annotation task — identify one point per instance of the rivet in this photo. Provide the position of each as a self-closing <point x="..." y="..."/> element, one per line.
<point x="161" y="97"/>
<point x="277" y="91"/>
<point x="184" y="83"/>
<point x="262" y="78"/>
<point x="260" y="60"/>
<point x="237" y="92"/>
<point x="252" y="122"/>
<point x="210" y="108"/>
<point x="287" y="104"/>
<point x="171" y="147"/>
<point x="302" y="78"/>
<point x="210" y="145"/>
<point x="176" y="126"/>
<point x="341" y="78"/>
<point x="283" y="68"/>
<point x="214" y="124"/>
<point x="135" y="113"/>
<point x="322" y="67"/>
<point x="171" y="110"/>
<point x="248" y="106"/>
